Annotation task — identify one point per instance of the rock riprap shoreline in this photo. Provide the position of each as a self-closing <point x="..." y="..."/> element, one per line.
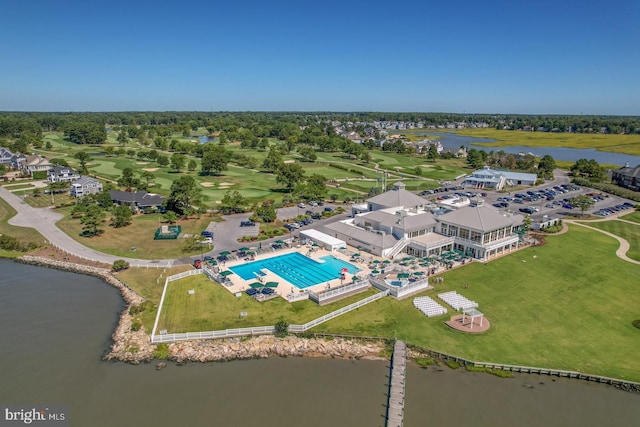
<point x="135" y="346"/>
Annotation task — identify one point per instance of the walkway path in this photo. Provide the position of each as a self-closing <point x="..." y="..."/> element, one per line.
<point x="621" y="252"/>
<point x="395" y="408"/>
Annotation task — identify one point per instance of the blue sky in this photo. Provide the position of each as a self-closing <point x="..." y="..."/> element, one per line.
<point x="466" y="56"/>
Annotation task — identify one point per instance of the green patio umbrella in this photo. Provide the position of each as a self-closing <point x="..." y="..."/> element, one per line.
<point x="280" y="242"/>
<point x="375" y="261"/>
<point x="386" y="261"/>
<point x="226" y="273"/>
<point x="256" y="285"/>
<point x="375" y="272"/>
<point x="250" y="253"/>
<point x="355" y="255"/>
<point x="225" y="253"/>
<point x="243" y="249"/>
<point x="271" y="285"/>
<point x="403" y="276"/>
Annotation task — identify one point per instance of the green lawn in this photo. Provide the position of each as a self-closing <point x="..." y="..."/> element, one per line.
<point x="213" y="308"/>
<point x="23" y="234"/>
<point x="634" y="216"/>
<point x="138" y="234"/>
<point x="628" y="144"/>
<point x="566" y="305"/>
<point x="629" y="232"/>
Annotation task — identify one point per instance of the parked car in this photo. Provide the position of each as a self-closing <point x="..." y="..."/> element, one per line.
<point x="197" y="264"/>
<point x="247" y="223"/>
<point x="328" y="209"/>
<point x="207" y="233"/>
<point x="313" y="203"/>
<point x="301" y="205"/>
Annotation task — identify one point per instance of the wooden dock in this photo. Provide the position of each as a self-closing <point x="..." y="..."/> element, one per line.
<point x="395" y="405"/>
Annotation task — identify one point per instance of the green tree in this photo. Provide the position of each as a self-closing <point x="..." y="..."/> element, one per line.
<point x="170" y="217"/>
<point x="582" y="202"/>
<point x="163" y="161"/>
<point x="546" y="166"/>
<point x="92" y="218"/>
<point x="3" y="169"/>
<point x="123" y="138"/>
<point x="192" y="165"/>
<point x="48" y="145"/>
<point x="273" y="161"/>
<point x="108" y="151"/>
<point x="266" y="213"/>
<point x="83" y="158"/>
<point x="185" y="192"/>
<point x="289" y="174"/>
<point x="121" y="216"/>
<point x="474" y="158"/>
<point x="232" y="202"/>
<point x="177" y="161"/>
<point x="432" y="153"/>
<point x="307" y="153"/>
<point x="128" y="179"/>
<point x="214" y="160"/>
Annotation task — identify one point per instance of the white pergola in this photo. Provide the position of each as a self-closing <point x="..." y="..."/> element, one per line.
<point x="473" y="314"/>
<point x="330" y="243"/>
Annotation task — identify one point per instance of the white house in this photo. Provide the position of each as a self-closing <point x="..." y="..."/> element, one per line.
<point x="84" y="186"/>
<point x="498" y="179"/>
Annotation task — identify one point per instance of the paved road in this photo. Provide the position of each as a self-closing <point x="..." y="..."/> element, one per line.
<point x="225" y="233"/>
<point x="44" y="219"/>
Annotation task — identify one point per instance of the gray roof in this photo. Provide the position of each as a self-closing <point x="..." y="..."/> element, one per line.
<point x="397" y="197"/>
<point x="628" y="171"/>
<point x="86" y="180"/>
<point x="140" y="198"/>
<point x="362" y="235"/>
<point x="480" y="218"/>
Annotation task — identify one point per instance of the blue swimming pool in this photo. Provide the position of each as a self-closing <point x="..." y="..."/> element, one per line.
<point x="299" y="270"/>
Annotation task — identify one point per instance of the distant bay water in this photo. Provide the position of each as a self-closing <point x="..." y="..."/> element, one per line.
<point x="453" y="142"/>
<point x="57" y="325"/>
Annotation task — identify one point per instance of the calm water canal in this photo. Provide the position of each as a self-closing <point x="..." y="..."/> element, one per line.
<point x="453" y="142"/>
<point x="56" y="326"/>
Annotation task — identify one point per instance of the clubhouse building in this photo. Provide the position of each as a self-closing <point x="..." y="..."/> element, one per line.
<point x="400" y="222"/>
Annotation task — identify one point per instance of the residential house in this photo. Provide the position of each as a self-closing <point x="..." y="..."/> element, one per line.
<point x="62" y="174"/>
<point x="627" y="177"/>
<point x="5" y="156"/>
<point x="138" y="200"/>
<point x="85" y="185"/>
<point x="31" y="164"/>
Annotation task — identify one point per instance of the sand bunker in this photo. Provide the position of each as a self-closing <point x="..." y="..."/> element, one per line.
<point x="207" y="184"/>
<point x="142" y="163"/>
<point x="289" y="161"/>
<point x="150" y="169"/>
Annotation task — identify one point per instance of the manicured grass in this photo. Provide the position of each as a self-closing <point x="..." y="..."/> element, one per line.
<point x="44" y="200"/>
<point x="212" y="308"/>
<point x="634" y="216"/>
<point x="12" y="187"/>
<point x="149" y="282"/>
<point x="568" y="304"/>
<point x="629" y="232"/>
<point x="138" y="234"/>
<point x="23" y="234"/>
<point x="628" y="144"/>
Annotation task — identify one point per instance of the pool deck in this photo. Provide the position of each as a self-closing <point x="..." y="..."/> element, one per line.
<point x="238" y="284"/>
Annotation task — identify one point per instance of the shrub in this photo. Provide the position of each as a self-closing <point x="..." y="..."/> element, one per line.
<point x="452" y="364"/>
<point x="424" y="361"/>
<point x="636" y="323"/>
<point x="135" y="326"/>
<point x="119" y="265"/>
<point x="161" y="351"/>
<point x="282" y="329"/>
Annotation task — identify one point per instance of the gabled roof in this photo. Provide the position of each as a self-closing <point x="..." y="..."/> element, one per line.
<point x="140" y="198"/>
<point x="83" y="180"/>
<point x="397" y="197"/>
<point x="480" y="218"/>
<point x="57" y="170"/>
<point x="627" y="171"/>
